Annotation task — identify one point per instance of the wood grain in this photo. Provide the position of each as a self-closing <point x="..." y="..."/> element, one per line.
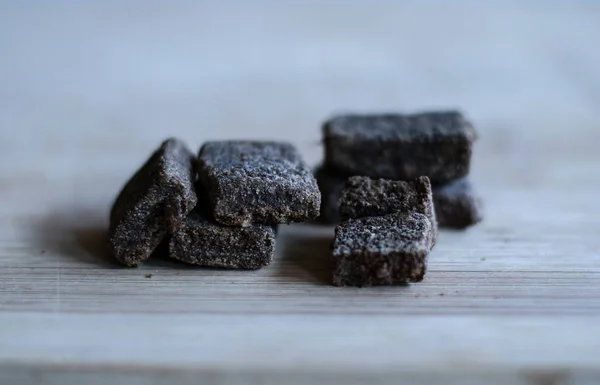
<point x="88" y="90"/>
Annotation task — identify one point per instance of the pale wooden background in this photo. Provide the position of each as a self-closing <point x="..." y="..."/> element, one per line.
<point x="88" y="90"/>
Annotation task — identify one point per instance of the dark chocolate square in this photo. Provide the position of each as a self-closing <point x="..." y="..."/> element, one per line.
<point x="258" y="182"/>
<point x="400" y="147"/>
<point x="385" y="250"/>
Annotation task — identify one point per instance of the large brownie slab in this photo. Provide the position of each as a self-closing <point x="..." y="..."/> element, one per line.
<point x="400" y="147"/>
<point x="258" y="182"/>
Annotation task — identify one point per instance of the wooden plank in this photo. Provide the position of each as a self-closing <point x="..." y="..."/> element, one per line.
<point x="229" y="348"/>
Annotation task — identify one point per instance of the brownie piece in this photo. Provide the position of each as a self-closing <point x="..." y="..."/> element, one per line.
<point x="331" y="185"/>
<point x="400" y="147"/>
<point x="258" y="182"/>
<point x="202" y="241"/>
<point x="153" y="203"/>
<point x="366" y="197"/>
<point x="385" y="250"/>
<point x="457" y="205"/>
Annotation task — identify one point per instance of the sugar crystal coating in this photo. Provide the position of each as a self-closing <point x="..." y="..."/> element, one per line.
<point x="384" y="250"/>
<point x="400" y="147"/>
<point x="258" y="182"/>
<point x="153" y="203"/>
<point x="366" y="197"/>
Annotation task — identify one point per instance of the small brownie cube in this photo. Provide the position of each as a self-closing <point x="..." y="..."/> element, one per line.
<point x="202" y="241"/>
<point x="457" y="205"/>
<point x="400" y="147"/>
<point x="153" y="203"/>
<point x="331" y="185"/>
<point x="366" y="197"/>
<point x="258" y="182"/>
<point x="385" y="250"/>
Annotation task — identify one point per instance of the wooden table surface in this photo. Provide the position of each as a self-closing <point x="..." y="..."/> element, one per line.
<point x="87" y="91"/>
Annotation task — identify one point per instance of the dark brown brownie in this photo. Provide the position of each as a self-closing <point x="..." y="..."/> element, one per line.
<point x="366" y="197"/>
<point x="202" y="241"/>
<point x="400" y="147"/>
<point x="258" y="182"/>
<point x="153" y="203"/>
<point x="385" y="250"/>
<point x="457" y="205"/>
<point x="331" y="185"/>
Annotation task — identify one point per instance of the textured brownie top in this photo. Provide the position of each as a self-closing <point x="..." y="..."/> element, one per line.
<point x="398" y="232"/>
<point x="240" y="159"/>
<point x="442" y="126"/>
<point x="363" y="196"/>
<point x="240" y="150"/>
<point x="258" y="182"/>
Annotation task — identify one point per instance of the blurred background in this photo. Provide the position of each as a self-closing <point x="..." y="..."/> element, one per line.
<point x="117" y="77"/>
<point x="88" y="89"/>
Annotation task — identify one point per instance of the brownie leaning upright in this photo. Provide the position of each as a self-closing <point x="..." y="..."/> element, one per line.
<point x="153" y="203"/>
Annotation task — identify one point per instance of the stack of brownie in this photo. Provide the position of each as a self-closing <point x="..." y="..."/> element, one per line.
<point x="390" y="179"/>
<point x="388" y="229"/>
<point x="220" y="209"/>
<point x="403" y="147"/>
<point x="387" y="181"/>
